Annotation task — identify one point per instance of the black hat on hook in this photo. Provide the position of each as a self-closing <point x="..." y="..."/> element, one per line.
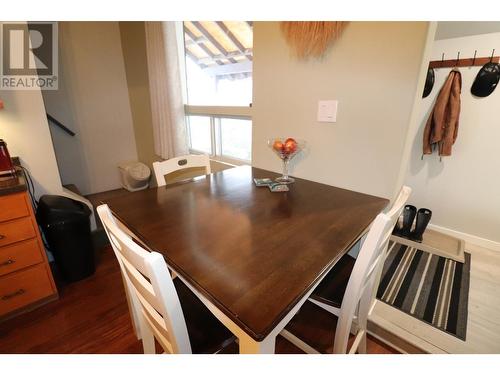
<point x="429" y="83"/>
<point x="487" y="79"/>
<point x="429" y="80"/>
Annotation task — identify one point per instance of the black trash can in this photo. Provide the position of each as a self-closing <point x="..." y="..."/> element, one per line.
<point x="66" y="225"/>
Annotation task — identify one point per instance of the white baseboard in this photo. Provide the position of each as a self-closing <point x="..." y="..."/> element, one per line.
<point x="468" y="238"/>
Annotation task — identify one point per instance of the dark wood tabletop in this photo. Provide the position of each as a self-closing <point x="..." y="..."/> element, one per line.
<point x="251" y="252"/>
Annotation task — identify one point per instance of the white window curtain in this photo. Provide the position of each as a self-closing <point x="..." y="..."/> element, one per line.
<point x="167" y="107"/>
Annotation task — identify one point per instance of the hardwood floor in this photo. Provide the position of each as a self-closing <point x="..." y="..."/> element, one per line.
<point x="92" y="316"/>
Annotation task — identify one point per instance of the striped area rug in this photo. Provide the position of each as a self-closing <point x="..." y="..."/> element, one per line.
<point x="428" y="287"/>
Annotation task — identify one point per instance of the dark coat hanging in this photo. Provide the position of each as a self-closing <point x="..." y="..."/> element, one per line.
<point x="442" y="126"/>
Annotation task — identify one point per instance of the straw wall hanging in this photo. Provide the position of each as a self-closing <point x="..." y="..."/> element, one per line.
<point x="311" y="39"/>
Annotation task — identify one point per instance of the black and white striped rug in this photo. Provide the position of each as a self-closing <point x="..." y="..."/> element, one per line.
<point x="428" y="287"/>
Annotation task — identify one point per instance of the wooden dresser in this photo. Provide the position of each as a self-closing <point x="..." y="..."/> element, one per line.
<point x="25" y="277"/>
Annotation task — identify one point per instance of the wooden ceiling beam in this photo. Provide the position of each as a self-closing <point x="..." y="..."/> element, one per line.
<point x="232" y="38"/>
<point x="247" y="52"/>
<point x="203" y="47"/>
<point x="196" y="40"/>
<point x="212" y="40"/>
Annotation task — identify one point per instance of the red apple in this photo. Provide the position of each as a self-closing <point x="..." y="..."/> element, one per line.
<point x="278" y="145"/>
<point x="290" y="146"/>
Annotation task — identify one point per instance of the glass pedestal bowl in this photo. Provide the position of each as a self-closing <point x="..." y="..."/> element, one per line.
<point x="286" y="149"/>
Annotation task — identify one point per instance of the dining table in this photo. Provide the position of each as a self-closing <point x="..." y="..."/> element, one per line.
<point x="252" y="256"/>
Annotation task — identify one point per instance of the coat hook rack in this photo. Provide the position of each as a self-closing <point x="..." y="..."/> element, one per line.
<point x="458" y="62"/>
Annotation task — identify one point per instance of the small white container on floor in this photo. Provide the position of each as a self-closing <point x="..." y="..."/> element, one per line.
<point x="134" y="175"/>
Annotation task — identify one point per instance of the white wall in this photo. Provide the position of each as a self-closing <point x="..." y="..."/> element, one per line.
<point x="133" y="41"/>
<point x="373" y="71"/>
<point x="457" y="29"/>
<point x="23" y="126"/>
<point x="93" y="101"/>
<point x="462" y="190"/>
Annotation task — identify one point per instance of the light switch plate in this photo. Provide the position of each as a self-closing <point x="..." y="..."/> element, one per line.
<point x="327" y="110"/>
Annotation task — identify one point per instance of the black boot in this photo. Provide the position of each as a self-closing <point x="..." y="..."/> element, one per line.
<point x="423" y="218"/>
<point x="409" y="213"/>
<point x="397" y="229"/>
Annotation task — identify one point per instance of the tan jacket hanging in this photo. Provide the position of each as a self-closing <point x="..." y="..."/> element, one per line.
<point x="442" y="126"/>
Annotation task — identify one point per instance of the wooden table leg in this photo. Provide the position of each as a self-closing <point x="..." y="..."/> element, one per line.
<point x="250" y="346"/>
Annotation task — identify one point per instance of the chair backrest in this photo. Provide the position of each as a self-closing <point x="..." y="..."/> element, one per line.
<point x="147" y="278"/>
<point x="162" y="168"/>
<point x="397" y="206"/>
<point x="360" y="292"/>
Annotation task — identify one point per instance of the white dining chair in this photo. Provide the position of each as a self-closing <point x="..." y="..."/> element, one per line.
<point x="133" y="304"/>
<point x="348" y="290"/>
<point x="162" y="168"/>
<point x="165" y="308"/>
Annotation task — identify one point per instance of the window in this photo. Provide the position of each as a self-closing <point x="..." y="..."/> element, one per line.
<point x="218" y="59"/>
<point x="205" y="88"/>
<point x="200" y="133"/>
<point x="236" y="138"/>
<point x="224" y="138"/>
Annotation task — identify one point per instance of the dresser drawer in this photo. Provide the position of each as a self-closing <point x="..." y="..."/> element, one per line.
<point x="20" y="255"/>
<point x="16" y="230"/>
<point x="21" y="288"/>
<point x="13" y="206"/>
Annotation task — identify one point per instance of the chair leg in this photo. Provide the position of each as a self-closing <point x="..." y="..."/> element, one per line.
<point x="148" y="339"/>
<point x="363" y="309"/>
<point x="362" y="344"/>
<point x="134" y="313"/>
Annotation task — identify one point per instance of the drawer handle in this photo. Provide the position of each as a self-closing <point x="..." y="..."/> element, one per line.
<point x="2" y="236"/>
<point x="12" y="295"/>
<point x="7" y="262"/>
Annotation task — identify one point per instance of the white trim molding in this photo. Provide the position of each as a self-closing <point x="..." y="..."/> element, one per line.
<point x="468" y="238"/>
<point x="218" y="111"/>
